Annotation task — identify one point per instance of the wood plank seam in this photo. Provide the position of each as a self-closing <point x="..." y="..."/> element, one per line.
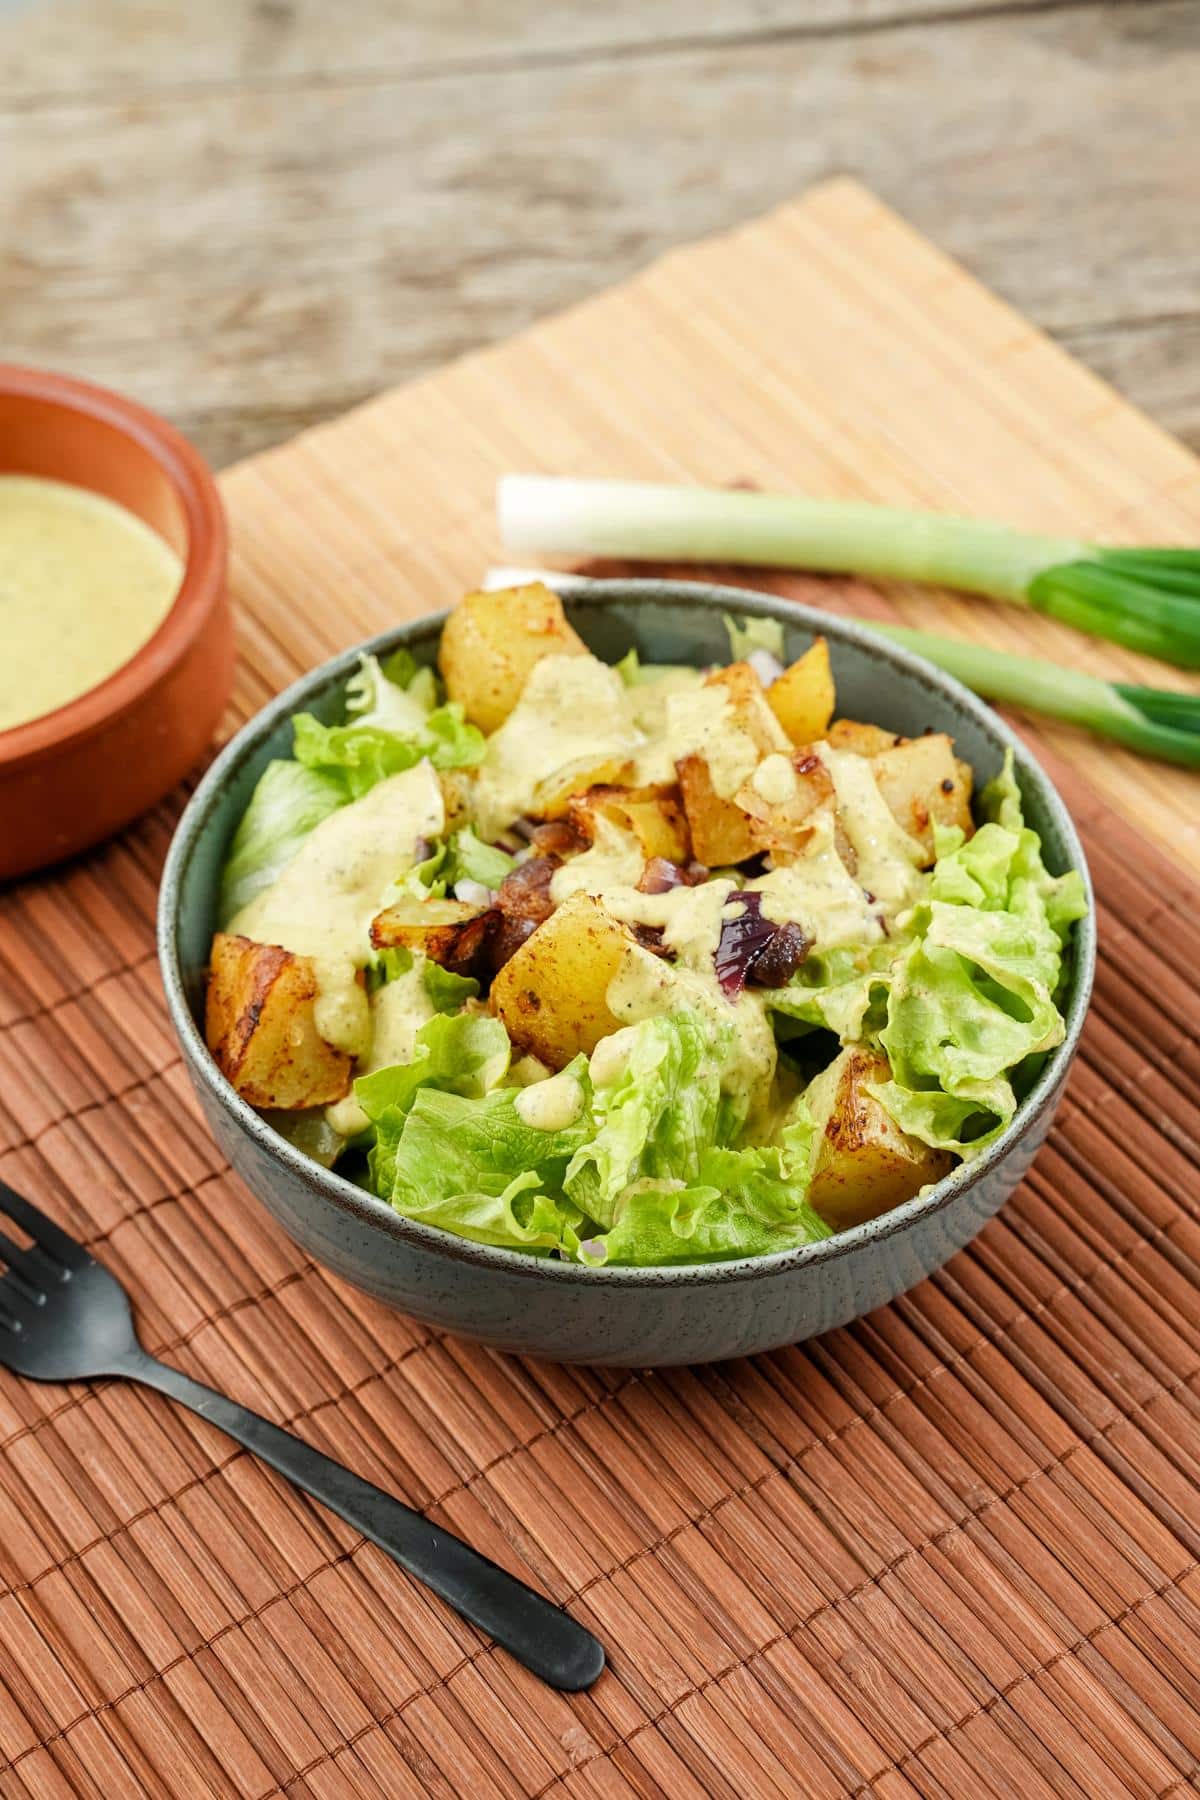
<point x="662" y="45"/>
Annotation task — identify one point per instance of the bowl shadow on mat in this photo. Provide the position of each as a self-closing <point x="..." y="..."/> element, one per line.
<point x="561" y="1311"/>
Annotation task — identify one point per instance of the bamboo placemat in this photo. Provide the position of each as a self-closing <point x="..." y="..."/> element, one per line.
<point x="950" y="1551"/>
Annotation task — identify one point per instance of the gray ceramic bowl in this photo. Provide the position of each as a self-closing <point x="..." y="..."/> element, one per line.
<point x="633" y="1316"/>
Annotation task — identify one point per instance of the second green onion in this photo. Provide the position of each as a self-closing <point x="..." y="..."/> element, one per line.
<point x="1146" y="599"/>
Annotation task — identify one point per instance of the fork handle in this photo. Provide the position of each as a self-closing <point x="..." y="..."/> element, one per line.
<point x="542" y="1636"/>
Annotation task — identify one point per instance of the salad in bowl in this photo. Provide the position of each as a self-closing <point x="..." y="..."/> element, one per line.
<point x="625" y="964"/>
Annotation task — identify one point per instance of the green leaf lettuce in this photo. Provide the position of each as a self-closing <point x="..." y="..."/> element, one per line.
<point x="288" y="802"/>
<point x="975" y="996"/>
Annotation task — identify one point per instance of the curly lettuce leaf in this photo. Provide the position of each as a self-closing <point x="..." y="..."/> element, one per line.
<point x="426" y="880"/>
<point x="396" y="695"/>
<point x="468" y="858"/>
<point x="474" y="1166"/>
<point x="465" y="1054"/>
<point x="387" y="965"/>
<point x="461" y="857"/>
<point x="455" y="1143"/>
<point x="359" y="754"/>
<point x="401" y="667"/>
<point x="1063" y="896"/>
<point x="843" y="990"/>
<point x="288" y="802"/>
<point x="520" y="1217"/>
<point x="657" y="1101"/>
<point x="448" y="991"/>
<point x="747" y="635"/>
<point x="975" y="997"/>
<point x="742" y="1203"/>
<point x="640" y="1175"/>
<point x="393" y="721"/>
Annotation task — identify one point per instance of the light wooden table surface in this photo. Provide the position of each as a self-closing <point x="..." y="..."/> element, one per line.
<point x="253" y="213"/>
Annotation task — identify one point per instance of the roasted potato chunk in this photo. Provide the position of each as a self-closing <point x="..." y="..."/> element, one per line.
<point x="491" y="641"/>
<point x="552" y="797"/>
<point x="781" y="797"/>
<point x="432" y="926"/>
<point x="260" y="1027"/>
<point x="654" y="815"/>
<point x="720" y="831"/>
<point x="922" y="781"/>
<point x="862" y="740"/>
<point x="456" y="796"/>
<point x="552" y="995"/>
<point x="863" y="1164"/>
<point x="749" y="706"/>
<point x="803" y="698"/>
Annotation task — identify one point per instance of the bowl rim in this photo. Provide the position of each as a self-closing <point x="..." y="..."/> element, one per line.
<point x="204" y="565"/>
<point x="346" y="1197"/>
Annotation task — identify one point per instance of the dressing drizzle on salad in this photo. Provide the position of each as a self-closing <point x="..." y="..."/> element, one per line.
<point x="599" y="1023"/>
<point x="323" y="903"/>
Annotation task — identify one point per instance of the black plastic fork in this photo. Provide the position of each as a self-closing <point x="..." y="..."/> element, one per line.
<point x="64" y="1317"/>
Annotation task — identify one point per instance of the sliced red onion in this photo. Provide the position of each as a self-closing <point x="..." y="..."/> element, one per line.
<point x="659" y="876"/>
<point x="557" y="837"/>
<point x="779" y="959"/>
<point x="755" y="950"/>
<point x="650" y="937"/>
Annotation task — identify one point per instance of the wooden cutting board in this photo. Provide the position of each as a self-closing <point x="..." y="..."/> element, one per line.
<point x="953" y="1550"/>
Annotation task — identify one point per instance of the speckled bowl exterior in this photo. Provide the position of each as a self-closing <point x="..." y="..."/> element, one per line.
<point x="639" y="1317"/>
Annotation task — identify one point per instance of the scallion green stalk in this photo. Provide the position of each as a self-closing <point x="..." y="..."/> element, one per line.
<point x="1153" y="720"/>
<point x="1148" y="600"/>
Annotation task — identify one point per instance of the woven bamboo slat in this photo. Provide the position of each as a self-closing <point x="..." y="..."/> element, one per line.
<point x="953" y="1550"/>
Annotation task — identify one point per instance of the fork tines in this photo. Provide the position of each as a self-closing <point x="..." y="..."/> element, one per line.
<point x="47" y="1236"/>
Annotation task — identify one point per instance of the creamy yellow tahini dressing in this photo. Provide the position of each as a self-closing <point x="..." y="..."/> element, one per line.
<point x="550" y="1105"/>
<point x="398" y="1010"/>
<point x="645" y="987"/>
<point x="573" y="717"/>
<point x="83" y="585"/>
<point x="700" y="722"/>
<point x="690" y="920"/>
<point x="818" y="892"/>
<point x="577" y="724"/>
<point x="887" y="856"/>
<point x="323" y="903"/>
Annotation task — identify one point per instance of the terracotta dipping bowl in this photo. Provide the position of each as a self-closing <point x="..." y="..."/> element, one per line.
<point x="77" y="774"/>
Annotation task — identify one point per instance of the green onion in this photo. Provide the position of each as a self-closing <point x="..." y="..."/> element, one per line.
<point x="1152" y="720"/>
<point x="1148" y="600"/>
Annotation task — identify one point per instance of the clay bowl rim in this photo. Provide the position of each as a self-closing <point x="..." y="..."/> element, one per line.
<point x="341" y="1196"/>
<point x="204" y="563"/>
